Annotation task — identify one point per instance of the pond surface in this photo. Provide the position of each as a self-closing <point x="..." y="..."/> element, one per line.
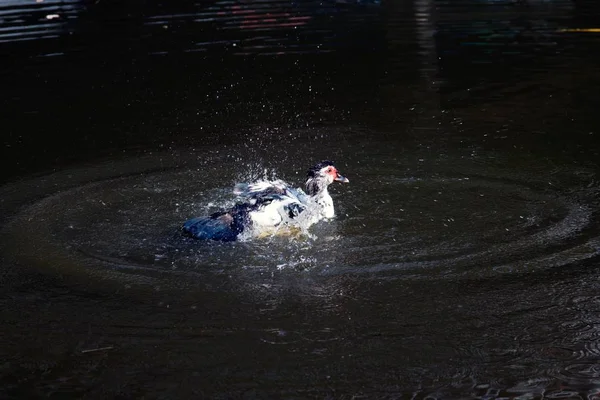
<point x="462" y="260"/>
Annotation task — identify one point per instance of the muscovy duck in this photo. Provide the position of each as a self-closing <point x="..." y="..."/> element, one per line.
<point x="269" y="207"/>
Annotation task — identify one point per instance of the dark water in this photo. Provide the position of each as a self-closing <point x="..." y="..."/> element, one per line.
<point x="462" y="261"/>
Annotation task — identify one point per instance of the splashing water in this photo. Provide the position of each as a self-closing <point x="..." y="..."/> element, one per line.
<point x="448" y="217"/>
<point x="294" y="227"/>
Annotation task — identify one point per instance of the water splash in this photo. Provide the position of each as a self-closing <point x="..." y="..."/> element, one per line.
<point x="441" y="219"/>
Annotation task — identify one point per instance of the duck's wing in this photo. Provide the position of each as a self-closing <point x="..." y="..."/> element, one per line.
<point x="298" y="194"/>
<point x="260" y="192"/>
<point x="290" y="201"/>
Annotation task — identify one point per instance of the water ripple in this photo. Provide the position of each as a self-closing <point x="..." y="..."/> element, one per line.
<point x="580" y="374"/>
<point x="440" y="220"/>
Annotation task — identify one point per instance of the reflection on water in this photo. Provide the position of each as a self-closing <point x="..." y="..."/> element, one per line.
<point x="289" y="27"/>
<point x="463" y="259"/>
<point x="426" y="30"/>
<point x="240" y="28"/>
<point x="22" y="20"/>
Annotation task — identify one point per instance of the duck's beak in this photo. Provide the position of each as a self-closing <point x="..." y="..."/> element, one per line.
<point x="341" y="178"/>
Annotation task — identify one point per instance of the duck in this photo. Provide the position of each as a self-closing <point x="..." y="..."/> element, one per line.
<point x="269" y="207"/>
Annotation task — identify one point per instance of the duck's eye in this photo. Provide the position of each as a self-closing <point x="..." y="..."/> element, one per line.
<point x="329" y="169"/>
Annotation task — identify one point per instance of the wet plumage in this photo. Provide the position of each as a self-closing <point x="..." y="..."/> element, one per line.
<point x="267" y="207"/>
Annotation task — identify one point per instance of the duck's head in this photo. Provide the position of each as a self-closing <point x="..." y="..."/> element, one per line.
<point x="322" y="175"/>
